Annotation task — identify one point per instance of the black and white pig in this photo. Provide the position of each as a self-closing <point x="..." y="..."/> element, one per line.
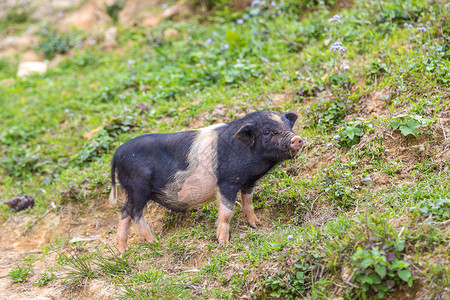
<point x="184" y="170"/>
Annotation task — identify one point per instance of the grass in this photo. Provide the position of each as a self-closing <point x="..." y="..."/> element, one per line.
<point x="357" y="214"/>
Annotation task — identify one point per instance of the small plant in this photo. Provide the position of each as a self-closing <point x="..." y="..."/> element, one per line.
<point x="114" y="9"/>
<point x="379" y="271"/>
<point x="378" y="261"/>
<point x="439" y="208"/>
<point x="327" y="113"/>
<point x="290" y="285"/>
<point x="350" y="134"/>
<point x="101" y="142"/>
<point x="19" y="273"/>
<point x="115" y="264"/>
<point x="410" y="124"/>
<point x="45" y="279"/>
<point x="338" y="185"/>
<point x="53" y="43"/>
<point x="79" y="266"/>
<point x="15" y="16"/>
<point x="376" y="69"/>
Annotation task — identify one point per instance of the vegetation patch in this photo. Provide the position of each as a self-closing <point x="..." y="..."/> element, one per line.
<point x="362" y="212"/>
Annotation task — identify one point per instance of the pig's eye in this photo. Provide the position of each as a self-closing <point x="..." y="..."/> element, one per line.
<point x="267" y="132"/>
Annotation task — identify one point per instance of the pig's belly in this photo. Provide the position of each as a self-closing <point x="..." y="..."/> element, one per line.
<point x="199" y="188"/>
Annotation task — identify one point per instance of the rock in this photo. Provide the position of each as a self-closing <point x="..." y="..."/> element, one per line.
<point x="132" y="11"/>
<point x="10" y="45"/>
<point x="240" y="5"/>
<point x="91" y="17"/>
<point x="47" y="9"/>
<point x="110" y="37"/>
<point x="152" y="20"/>
<point x="170" y="32"/>
<point x="174" y="10"/>
<point x="31" y="56"/>
<point x="20" y="203"/>
<point x="28" y="67"/>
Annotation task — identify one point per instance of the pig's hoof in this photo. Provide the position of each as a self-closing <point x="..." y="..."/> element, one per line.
<point x="223" y="241"/>
<point x="253" y="221"/>
<point x="122" y="249"/>
<point x="223" y="237"/>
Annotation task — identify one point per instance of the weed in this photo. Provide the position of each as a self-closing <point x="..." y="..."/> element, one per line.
<point x="114" y="9"/>
<point x="79" y="266"/>
<point x="53" y="43"/>
<point x="113" y="264"/>
<point x="379" y="272"/>
<point x="337" y="183"/>
<point x="438" y="208"/>
<point x="45" y="279"/>
<point x="327" y="113"/>
<point x="288" y="286"/>
<point x="20" y="273"/>
<point x="154" y="284"/>
<point x="15" y="16"/>
<point x="350" y="133"/>
<point x="378" y="262"/>
<point x="409" y="124"/>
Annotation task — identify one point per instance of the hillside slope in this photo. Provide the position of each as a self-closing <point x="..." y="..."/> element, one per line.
<point x="362" y="212"/>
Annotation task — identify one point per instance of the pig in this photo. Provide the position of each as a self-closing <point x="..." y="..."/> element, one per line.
<point x="184" y="170"/>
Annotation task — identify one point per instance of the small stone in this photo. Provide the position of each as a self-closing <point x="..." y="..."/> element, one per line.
<point x="29" y="67"/>
<point x="20" y="203"/>
<point x="170" y="32"/>
<point x="110" y="37"/>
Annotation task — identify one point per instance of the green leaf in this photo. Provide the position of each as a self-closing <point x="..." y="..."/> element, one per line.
<point x="400" y="264"/>
<point x="407" y="130"/>
<point x="365" y="263"/>
<point x="381" y="271"/>
<point x="412" y="124"/>
<point x="405" y="275"/>
<point x="358" y="132"/>
<point x="350" y="134"/>
<point x="395" y="124"/>
<point x="399" y="245"/>
<point x="424" y="209"/>
<point x="375" y="278"/>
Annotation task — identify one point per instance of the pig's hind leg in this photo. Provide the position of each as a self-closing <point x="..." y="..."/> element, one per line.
<point x="247" y="207"/>
<point x="123" y="229"/>
<point x="136" y="214"/>
<point x="133" y="209"/>
<point x="141" y="197"/>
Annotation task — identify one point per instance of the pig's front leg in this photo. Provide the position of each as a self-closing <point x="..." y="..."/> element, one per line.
<point x="247" y="207"/>
<point x="226" y="210"/>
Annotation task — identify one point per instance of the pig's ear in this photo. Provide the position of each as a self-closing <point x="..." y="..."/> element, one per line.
<point x="291" y="117"/>
<point x="246" y="135"/>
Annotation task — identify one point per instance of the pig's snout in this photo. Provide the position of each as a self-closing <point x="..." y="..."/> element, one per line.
<point x="296" y="142"/>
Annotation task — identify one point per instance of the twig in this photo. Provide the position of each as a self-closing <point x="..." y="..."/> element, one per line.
<point x="401" y="231"/>
<point x="445" y="136"/>
<point x="338" y="285"/>
<point x="443" y="223"/>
